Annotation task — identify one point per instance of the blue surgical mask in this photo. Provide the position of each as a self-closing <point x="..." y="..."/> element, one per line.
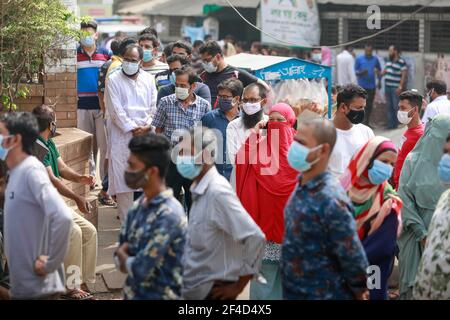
<point x="187" y="167"/>
<point x="297" y="155"/>
<point x="148" y="55"/>
<point x="172" y="78"/>
<point x="317" y="57"/>
<point x="380" y="172"/>
<point x="3" y="151"/>
<point x="444" y="169"/>
<point x="87" y="41"/>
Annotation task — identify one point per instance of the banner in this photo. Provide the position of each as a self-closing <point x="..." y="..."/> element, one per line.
<point x="296" y="21"/>
<point x="194" y="33"/>
<point x="443" y="70"/>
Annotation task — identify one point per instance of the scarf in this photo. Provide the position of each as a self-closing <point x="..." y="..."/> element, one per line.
<point x="373" y="203"/>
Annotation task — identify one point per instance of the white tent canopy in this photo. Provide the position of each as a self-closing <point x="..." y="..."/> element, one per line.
<point x="254" y="62"/>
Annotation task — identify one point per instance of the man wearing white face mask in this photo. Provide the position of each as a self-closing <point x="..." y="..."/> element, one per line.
<point x="254" y="99"/>
<point x="177" y="112"/>
<point x="130" y="99"/>
<point x="409" y="113"/>
<point x="217" y="70"/>
<point x="438" y="102"/>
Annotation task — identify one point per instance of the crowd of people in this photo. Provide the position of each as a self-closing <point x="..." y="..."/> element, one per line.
<point x="218" y="188"/>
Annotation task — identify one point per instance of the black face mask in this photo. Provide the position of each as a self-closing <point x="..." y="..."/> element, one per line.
<point x="356" y="116"/>
<point x="136" y="180"/>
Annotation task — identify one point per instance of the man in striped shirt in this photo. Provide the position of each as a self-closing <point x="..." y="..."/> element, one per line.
<point x="395" y="73"/>
<point x="150" y="63"/>
<point x="90" y="59"/>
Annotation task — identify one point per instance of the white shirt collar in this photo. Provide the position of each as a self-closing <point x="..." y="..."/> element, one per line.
<point x="443" y="97"/>
<point x="200" y="187"/>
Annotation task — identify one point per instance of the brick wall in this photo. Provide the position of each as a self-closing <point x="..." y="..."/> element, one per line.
<point x="59" y="83"/>
<point x="59" y="90"/>
<point x="74" y="146"/>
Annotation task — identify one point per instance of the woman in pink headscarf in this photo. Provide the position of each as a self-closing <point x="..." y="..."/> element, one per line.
<point x="327" y="56"/>
<point x="264" y="182"/>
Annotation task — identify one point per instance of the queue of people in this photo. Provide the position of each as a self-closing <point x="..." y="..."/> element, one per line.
<point x="217" y="188"/>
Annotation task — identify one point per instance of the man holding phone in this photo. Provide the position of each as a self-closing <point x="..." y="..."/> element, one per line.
<point x="82" y="252"/>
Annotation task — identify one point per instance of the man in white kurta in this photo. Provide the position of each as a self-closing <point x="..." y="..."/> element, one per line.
<point x="130" y="99"/>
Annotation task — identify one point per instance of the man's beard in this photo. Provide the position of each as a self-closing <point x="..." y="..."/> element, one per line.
<point x="251" y="121"/>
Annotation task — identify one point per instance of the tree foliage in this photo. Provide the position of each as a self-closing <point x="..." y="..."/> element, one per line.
<point x="31" y="31"/>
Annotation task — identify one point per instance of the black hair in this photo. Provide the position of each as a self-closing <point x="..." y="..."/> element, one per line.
<point x="193" y="78"/>
<point x="395" y="48"/>
<point x="153" y="150"/>
<point x="25" y="124"/>
<point x="135" y="46"/>
<point x="177" y="57"/>
<point x="197" y="43"/>
<point x="183" y="45"/>
<point x="233" y="85"/>
<point x="115" y="45"/>
<point x="368" y="45"/>
<point x="211" y="47"/>
<point x="168" y="49"/>
<point x="439" y="86"/>
<point x="261" y="88"/>
<point x="149" y="37"/>
<point x="45" y="115"/>
<point x="348" y="93"/>
<point x="335" y="88"/>
<point x="149" y="30"/>
<point x="448" y="138"/>
<point x="257" y="45"/>
<point x="207" y="37"/>
<point x="89" y="24"/>
<point x="413" y="97"/>
<point x="119" y="34"/>
<point x="125" y="43"/>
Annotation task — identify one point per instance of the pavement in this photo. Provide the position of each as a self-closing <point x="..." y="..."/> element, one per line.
<point x="110" y="281"/>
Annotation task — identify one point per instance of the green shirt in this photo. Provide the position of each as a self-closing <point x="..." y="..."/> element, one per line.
<point x="51" y="159"/>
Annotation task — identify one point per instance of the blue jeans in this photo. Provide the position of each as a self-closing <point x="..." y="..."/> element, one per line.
<point x="105" y="183"/>
<point x="392" y="101"/>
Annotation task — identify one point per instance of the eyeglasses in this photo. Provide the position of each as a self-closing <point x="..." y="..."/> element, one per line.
<point x="251" y="100"/>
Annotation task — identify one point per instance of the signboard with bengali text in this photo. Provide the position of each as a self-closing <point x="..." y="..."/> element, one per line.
<point x="295" y="21"/>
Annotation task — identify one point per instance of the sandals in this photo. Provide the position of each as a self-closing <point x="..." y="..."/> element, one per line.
<point x="106" y="200"/>
<point x="77" y="294"/>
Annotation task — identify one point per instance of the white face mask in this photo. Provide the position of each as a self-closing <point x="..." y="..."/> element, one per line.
<point x="181" y="93"/>
<point x="403" y="118"/>
<point x="209" y="67"/>
<point x="251" y="108"/>
<point x="130" y="68"/>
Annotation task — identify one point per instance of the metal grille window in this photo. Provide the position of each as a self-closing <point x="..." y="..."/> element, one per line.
<point x="175" y="26"/>
<point x="329" y="32"/>
<point x="439" y="36"/>
<point x="405" y="36"/>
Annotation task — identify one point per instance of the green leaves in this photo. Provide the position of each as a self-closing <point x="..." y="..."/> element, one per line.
<point x="29" y="29"/>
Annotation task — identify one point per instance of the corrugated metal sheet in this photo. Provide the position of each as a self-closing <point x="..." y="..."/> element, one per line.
<point x="194" y="8"/>
<point x="437" y="3"/>
<point x="188" y="8"/>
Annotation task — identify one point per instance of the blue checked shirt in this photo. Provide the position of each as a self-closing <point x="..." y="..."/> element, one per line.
<point x="171" y="115"/>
